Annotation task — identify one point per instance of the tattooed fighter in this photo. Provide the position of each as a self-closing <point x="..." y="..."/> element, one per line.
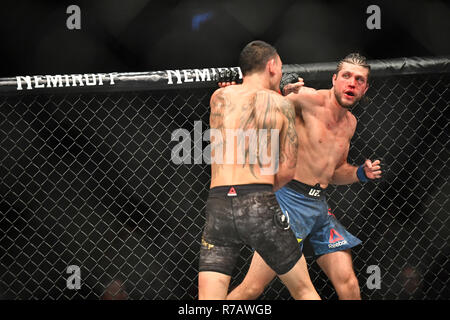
<point x="241" y="206"/>
<point x="325" y="127"/>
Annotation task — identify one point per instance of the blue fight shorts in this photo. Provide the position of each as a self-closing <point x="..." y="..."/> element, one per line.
<point x="308" y="214"/>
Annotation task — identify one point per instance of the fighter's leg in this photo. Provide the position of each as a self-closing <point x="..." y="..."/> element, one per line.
<point x="338" y="266"/>
<point x="275" y="242"/>
<point x="257" y="278"/>
<point x="299" y="283"/>
<point x="219" y="250"/>
<point x="212" y="285"/>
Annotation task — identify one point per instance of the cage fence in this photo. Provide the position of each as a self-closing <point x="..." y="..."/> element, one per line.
<point x="87" y="180"/>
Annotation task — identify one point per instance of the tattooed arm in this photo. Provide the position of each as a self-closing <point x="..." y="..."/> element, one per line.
<point x="288" y="144"/>
<point x="218" y="103"/>
<point x="276" y="112"/>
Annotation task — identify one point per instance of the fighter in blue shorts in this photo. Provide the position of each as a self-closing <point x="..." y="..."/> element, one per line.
<point x="324" y="126"/>
<point x="308" y="214"/>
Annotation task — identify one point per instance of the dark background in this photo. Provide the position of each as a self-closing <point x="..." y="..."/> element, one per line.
<point x="84" y="177"/>
<point x="145" y="35"/>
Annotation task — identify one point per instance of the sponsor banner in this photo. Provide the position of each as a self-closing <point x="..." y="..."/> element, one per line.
<point x="154" y="80"/>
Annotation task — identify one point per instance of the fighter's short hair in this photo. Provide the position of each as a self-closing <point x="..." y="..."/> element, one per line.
<point x="255" y="55"/>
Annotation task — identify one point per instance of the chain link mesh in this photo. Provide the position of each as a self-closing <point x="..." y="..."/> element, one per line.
<point x="86" y="179"/>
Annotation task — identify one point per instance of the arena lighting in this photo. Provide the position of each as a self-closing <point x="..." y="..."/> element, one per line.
<point x="198" y="19"/>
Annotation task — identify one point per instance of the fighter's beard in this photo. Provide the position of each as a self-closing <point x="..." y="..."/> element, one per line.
<point x="339" y="100"/>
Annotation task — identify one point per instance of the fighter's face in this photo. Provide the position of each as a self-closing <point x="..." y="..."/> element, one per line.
<point x="350" y="84"/>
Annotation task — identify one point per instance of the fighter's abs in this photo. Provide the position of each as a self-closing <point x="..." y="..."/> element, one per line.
<point x="321" y="149"/>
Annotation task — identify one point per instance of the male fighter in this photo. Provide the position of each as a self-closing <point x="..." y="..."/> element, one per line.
<point x="241" y="206"/>
<point x="324" y="126"/>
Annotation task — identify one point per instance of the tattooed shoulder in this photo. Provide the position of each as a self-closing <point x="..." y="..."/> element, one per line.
<point x="287" y="108"/>
<point x="219" y="101"/>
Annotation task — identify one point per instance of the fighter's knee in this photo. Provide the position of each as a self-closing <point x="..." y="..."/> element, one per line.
<point x="349" y="287"/>
<point x="246" y="291"/>
<point x="352" y="283"/>
<point x="254" y="290"/>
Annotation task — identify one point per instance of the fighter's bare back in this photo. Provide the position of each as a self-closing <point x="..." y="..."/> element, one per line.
<point x="243" y="108"/>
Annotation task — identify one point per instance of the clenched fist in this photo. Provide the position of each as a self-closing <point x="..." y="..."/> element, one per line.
<point x="372" y="170"/>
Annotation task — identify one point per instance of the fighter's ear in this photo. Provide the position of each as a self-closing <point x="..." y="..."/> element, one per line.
<point x="367" y="87"/>
<point x="333" y="79"/>
<point x="271" y="65"/>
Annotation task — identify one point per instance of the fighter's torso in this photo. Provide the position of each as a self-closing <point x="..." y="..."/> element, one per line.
<point x="324" y="141"/>
<point x="239" y="115"/>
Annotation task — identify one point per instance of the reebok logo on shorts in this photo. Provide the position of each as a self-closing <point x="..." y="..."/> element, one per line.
<point x="232" y="192"/>
<point x="335" y="236"/>
<point x="330" y="213"/>
<point x="336" y="240"/>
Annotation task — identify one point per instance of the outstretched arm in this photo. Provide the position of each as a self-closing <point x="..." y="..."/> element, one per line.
<point x="305" y="98"/>
<point x="293" y="87"/>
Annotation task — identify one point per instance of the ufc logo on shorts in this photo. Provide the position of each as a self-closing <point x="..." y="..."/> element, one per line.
<point x="314" y="192"/>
